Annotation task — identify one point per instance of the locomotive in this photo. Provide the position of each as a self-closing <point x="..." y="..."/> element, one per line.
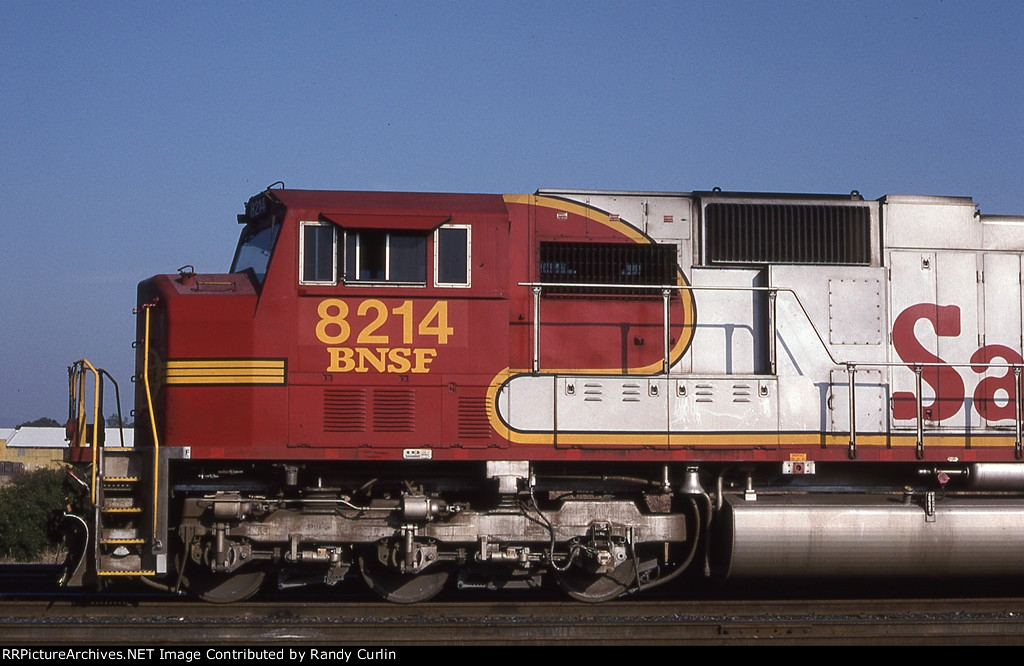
<point x="608" y="389"/>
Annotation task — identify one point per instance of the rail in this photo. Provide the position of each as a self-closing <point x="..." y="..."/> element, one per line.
<point x="666" y="296"/>
<point x="152" y="420"/>
<point x="666" y="291"/>
<point x="77" y="372"/>
<point x="918" y="369"/>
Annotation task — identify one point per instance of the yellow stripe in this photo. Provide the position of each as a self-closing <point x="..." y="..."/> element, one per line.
<point x="587" y="212"/>
<point x="225" y="379"/>
<point x="758" y="440"/>
<point x="234" y="364"/>
<point x="727" y="440"/>
<point x="225" y="371"/>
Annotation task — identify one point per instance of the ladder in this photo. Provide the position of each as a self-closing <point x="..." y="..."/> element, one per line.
<point x="123" y="545"/>
<point x="120" y="494"/>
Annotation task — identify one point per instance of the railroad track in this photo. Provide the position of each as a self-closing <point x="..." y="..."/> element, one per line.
<point x="180" y="623"/>
<point x="33" y="613"/>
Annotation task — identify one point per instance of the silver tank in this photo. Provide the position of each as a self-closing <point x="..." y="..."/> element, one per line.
<point x="872" y="536"/>
<point x="996" y="476"/>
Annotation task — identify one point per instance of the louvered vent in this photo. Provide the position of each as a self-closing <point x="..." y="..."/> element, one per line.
<point x="473" y="423"/>
<point x="741" y="392"/>
<point x="607" y="263"/>
<point x="394" y="411"/>
<point x="762" y="233"/>
<point x="631" y="392"/>
<point x="345" y="410"/>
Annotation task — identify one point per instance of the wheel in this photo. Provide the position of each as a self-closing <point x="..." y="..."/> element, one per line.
<point x="224" y="588"/>
<point x="583" y="585"/>
<point x="400" y="588"/>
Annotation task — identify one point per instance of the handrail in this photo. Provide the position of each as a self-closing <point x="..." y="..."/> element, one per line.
<point x="152" y="419"/>
<point x="76" y="375"/>
<point x="76" y="409"/>
<point x="918" y="368"/>
<point x="666" y="291"/>
<point x="851" y="366"/>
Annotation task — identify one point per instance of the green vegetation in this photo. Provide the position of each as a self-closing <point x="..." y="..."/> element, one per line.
<point x="44" y="422"/>
<point x="113" y="421"/>
<point x="27" y="506"/>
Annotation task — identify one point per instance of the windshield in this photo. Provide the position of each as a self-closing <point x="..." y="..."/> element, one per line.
<point x="254" y="248"/>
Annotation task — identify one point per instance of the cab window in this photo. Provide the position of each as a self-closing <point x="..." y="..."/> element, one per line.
<point x="318" y="253"/>
<point x="372" y="255"/>
<point x="254" y="249"/>
<point x="452" y="256"/>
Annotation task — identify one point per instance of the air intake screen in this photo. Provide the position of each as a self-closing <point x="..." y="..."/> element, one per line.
<point x="607" y="263"/>
<point x="752" y="233"/>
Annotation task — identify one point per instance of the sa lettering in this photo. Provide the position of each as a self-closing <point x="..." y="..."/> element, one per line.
<point x="946" y="383"/>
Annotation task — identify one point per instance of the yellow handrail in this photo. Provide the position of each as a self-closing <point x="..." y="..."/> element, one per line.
<point x="152" y="422"/>
<point x="78" y="373"/>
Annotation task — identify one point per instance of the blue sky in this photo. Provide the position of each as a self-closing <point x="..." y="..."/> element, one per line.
<point x="131" y="133"/>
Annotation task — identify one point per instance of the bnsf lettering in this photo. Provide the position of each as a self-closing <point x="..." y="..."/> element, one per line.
<point x="399" y="360"/>
<point x="336" y="326"/>
<point x="945" y="382"/>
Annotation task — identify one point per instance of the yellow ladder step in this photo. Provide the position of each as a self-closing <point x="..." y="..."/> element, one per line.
<point x="120" y="479"/>
<point x="124" y="509"/>
<point x="123" y="541"/>
<point x="126" y="573"/>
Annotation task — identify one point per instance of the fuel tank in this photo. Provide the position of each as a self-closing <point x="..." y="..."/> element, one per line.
<point x="871" y="536"/>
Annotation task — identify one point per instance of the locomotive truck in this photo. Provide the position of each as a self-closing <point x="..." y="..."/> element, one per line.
<point x="608" y="389"/>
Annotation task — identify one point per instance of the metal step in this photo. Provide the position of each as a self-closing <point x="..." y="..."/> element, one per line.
<point x="128" y="562"/>
<point x="120" y="552"/>
<point x="124" y="532"/>
<point x="121" y="463"/>
<point x="121" y="545"/>
<point x="118" y="502"/>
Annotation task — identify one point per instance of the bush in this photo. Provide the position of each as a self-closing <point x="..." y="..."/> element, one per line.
<point x="27" y="506"/>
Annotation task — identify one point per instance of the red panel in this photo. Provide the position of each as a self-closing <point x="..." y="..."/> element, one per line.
<point x="415" y="203"/>
<point x="385" y="221"/>
<point x="394" y="414"/>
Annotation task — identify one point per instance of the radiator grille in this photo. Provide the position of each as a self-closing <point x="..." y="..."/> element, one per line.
<point x="755" y="233"/>
<point x="345" y="410"/>
<point x="607" y="263"/>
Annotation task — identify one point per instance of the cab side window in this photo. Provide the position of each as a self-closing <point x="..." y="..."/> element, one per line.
<point x="318" y="253"/>
<point x="452" y="256"/>
<point x="329" y="255"/>
<point x="372" y="255"/>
